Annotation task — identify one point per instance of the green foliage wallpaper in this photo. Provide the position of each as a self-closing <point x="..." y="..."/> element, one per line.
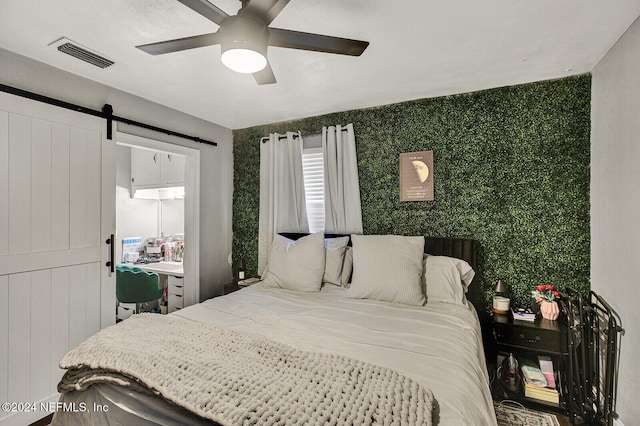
<point x="511" y="170"/>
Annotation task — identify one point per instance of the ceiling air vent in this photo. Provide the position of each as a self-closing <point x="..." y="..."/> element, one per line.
<point x="69" y="47"/>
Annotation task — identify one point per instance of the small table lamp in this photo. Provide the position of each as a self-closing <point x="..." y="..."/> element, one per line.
<point x="500" y="303"/>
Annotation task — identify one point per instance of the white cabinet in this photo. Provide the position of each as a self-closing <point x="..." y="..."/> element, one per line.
<point x="145" y="167"/>
<point x="172" y="169"/>
<point x="155" y="169"/>
<point x="176" y="293"/>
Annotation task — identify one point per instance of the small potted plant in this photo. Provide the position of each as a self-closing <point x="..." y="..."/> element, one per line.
<point x="546" y="296"/>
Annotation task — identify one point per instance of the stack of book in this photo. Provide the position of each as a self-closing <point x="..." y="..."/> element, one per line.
<point x="536" y="384"/>
<point x="522" y="314"/>
<point x="247" y="282"/>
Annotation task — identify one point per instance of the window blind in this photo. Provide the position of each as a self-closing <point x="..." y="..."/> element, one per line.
<point x="313" y="173"/>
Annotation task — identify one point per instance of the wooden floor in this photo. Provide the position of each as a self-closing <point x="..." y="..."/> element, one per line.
<point x="43" y="421"/>
<point x="563" y="420"/>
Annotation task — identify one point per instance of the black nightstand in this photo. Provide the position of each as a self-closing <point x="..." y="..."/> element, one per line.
<point x="230" y="287"/>
<point x="235" y="286"/>
<point x="527" y="340"/>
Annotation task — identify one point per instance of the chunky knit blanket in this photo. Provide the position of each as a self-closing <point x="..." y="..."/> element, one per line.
<point x="237" y="378"/>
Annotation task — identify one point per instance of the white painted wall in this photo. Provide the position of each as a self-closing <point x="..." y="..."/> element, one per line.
<point x="216" y="177"/>
<point x="172" y="221"/>
<point x="615" y="202"/>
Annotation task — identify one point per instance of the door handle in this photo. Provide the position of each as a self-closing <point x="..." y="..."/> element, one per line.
<point x="110" y="263"/>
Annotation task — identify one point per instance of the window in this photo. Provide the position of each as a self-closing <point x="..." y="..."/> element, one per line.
<point x="313" y="173"/>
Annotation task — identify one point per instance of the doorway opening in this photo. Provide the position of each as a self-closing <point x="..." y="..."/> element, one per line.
<point x="157" y="215"/>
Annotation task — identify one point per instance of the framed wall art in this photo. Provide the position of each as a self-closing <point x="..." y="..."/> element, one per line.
<point x="416" y="176"/>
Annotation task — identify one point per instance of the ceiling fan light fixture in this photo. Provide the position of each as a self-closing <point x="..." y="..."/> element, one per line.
<point x="244" y="37"/>
<point x="246" y="61"/>
<point x="244" y="45"/>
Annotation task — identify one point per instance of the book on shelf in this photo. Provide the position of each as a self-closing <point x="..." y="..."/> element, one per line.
<point x="551" y="395"/>
<point x="523" y="314"/>
<point x="536" y="385"/>
<point x="546" y="366"/>
<point x="541" y="393"/>
<point x="248" y="281"/>
<point x="533" y="376"/>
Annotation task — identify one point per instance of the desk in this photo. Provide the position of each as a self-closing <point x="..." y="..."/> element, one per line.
<point x="172" y="278"/>
<point x="175" y="269"/>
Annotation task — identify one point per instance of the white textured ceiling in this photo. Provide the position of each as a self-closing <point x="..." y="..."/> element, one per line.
<point x="418" y="49"/>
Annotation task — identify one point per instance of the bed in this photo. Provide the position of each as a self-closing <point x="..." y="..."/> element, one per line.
<point x="430" y="351"/>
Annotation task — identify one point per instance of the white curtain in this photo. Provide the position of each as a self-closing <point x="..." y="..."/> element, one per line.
<point x="343" y="213"/>
<point x="282" y="203"/>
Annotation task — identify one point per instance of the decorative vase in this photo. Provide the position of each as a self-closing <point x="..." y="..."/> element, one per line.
<point x="549" y="310"/>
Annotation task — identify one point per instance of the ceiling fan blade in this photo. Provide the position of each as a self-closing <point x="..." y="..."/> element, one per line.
<point x="265" y="10"/>
<point x="206" y="9"/>
<point x="179" y="44"/>
<point x="316" y="42"/>
<point x="265" y="76"/>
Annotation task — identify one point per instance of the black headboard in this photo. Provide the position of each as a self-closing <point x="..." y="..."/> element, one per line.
<point x="461" y="248"/>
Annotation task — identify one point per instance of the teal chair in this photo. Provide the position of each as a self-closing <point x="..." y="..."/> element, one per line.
<point x="136" y="286"/>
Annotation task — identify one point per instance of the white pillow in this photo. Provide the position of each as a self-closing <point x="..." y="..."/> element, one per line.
<point x="446" y="279"/>
<point x="296" y="265"/>
<point x="335" y="249"/>
<point x="387" y="268"/>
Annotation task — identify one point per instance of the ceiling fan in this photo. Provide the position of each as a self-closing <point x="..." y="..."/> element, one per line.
<point x="244" y="37"/>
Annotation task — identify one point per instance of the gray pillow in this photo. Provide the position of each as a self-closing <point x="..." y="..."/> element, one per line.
<point x="446" y="279"/>
<point x="387" y="268"/>
<point x="296" y="265"/>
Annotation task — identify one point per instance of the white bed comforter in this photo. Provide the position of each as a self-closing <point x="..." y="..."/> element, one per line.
<point x="237" y="378"/>
<point x="438" y="345"/>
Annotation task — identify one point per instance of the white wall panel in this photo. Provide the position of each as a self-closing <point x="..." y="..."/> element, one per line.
<point x="78" y="188"/>
<point x="19" y="342"/>
<point x="93" y="184"/>
<point x="40" y="335"/>
<point x="60" y="308"/>
<point x="4" y="339"/>
<point x="17" y="263"/>
<point x="40" y="185"/>
<point x="60" y="187"/>
<point x="4" y="183"/>
<point x="19" y="183"/>
<point x="77" y="304"/>
<point x="93" y="298"/>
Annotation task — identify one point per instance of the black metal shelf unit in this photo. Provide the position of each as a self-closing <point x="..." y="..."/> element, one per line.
<point x="594" y="331"/>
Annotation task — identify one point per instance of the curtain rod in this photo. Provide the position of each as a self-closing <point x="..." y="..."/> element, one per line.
<point x="266" y="138"/>
<point x="106" y="113"/>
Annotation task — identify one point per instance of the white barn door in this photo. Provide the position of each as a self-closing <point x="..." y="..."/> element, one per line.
<point x="56" y="211"/>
